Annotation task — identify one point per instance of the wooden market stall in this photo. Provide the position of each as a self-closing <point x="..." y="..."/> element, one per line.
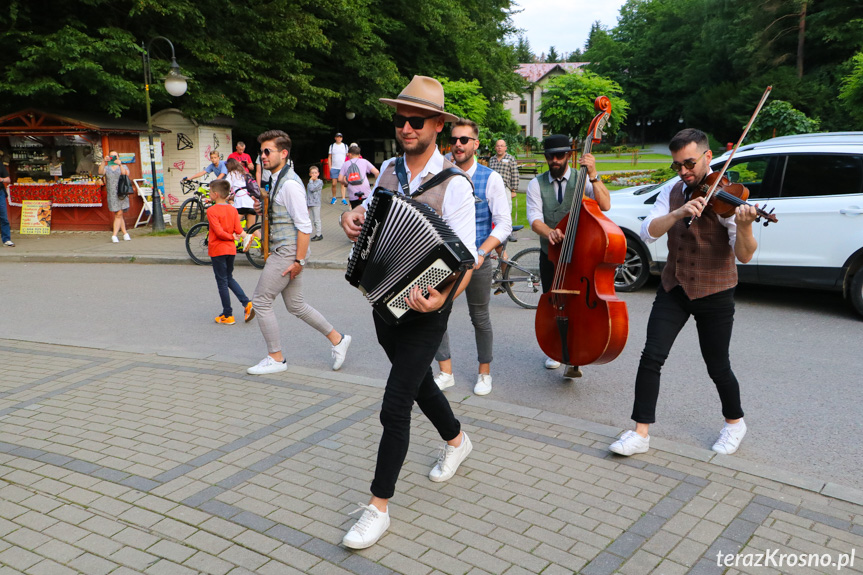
<point x="55" y="156"/>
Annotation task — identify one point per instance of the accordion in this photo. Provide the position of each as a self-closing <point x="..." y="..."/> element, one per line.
<point x="403" y="243"/>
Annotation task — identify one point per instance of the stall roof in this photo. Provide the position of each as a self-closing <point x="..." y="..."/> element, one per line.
<point x="32" y="121"/>
<point x="215" y="121"/>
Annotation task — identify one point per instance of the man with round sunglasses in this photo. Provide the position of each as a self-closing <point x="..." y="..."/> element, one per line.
<point x="698" y="280"/>
<point x="411" y="347"/>
<point x="494" y="209"/>
<point x="549" y="199"/>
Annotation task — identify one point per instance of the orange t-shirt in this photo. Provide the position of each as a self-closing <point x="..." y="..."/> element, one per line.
<point x="224" y="223"/>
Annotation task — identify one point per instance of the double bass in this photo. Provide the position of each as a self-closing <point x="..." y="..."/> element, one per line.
<point x="580" y="320"/>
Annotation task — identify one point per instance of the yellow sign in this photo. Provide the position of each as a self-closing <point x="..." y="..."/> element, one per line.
<point x="36" y="217"/>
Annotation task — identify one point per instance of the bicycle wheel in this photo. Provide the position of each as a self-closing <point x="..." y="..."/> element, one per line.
<point x="521" y="278"/>
<point x="191" y="212"/>
<point x="197" y="244"/>
<point x="256" y="252"/>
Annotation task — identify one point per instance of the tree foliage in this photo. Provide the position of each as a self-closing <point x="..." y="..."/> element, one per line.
<point x="552" y="55"/>
<point x="523" y="52"/>
<point x="567" y="105"/>
<point x="464" y="99"/>
<point x="779" y="118"/>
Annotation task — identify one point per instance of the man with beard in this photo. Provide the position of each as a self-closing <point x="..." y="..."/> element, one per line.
<point x="698" y="280"/>
<point x="411" y="347"/>
<point x="494" y="208"/>
<point x="549" y="199"/>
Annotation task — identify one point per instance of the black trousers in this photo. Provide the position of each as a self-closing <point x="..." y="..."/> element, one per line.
<point x="714" y="318"/>
<point x="410" y="348"/>
<point x="546" y="271"/>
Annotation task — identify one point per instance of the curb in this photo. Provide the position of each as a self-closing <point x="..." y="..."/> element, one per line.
<point x="135" y="259"/>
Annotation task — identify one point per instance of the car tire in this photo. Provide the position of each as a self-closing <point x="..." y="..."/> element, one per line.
<point x="857" y="291"/>
<point x="632" y="274"/>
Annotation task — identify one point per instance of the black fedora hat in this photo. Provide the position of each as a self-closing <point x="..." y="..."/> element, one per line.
<point x="556" y="143"/>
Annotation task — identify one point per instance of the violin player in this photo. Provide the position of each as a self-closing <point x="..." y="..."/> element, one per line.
<point x="698" y="280"/>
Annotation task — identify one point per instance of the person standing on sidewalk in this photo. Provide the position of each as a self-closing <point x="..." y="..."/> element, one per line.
<point x="507" y="166"/>
<point x="112" y="169"/>
<point x="5" y="229"/>
<point x="549" y="199"/>
<point x="225" y="228"/>
<point x="290" y="230"/>
<point x="313" y="200"/>
<point x="357" y="191"/>
<point x="410" y="347"/>
<point x="338" y="153"/>
<point x="698" y="280"/>
<point x="494" y="209"/>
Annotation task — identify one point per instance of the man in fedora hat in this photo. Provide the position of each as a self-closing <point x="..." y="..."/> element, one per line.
<point x="549" y="198"/>
<point x="419" y="118"/>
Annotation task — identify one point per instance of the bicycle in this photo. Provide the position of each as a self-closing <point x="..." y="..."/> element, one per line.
<point x="197" y="245"/>
<point x="193" y="210"/>
<point x="518" y="276"/>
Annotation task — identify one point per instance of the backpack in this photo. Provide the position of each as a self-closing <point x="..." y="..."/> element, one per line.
<point x="353" y="175"/>
<point x="124" y="187"/>
<point x="252" y="187"/>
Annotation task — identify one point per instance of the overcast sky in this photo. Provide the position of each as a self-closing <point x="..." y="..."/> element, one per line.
<point x="563" y="24"/>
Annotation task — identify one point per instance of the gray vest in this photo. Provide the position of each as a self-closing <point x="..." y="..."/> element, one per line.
<point x="552" y="212"/>
<point x="283" y="232"/>
<point x="432" y="197"/>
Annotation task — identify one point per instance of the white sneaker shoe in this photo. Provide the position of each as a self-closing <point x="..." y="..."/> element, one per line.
<point x="444" y="380"/>
<point x="449" y="460"/>
<point x="730" y="438"/>
<point x="268" y="365"/>
<point x="630" y="443"/>
<point x="368" y="529"/>
<point x="126" y="237"/>
<point x="551" y="364"/>
<point x="483" y="384"/>
<point x="114" y="240"/>
<point x="340" y="351"/>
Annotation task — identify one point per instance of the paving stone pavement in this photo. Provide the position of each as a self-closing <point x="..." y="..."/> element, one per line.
<point x="114" y="462"/>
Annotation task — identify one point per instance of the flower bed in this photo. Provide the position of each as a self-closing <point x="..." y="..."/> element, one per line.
<point x="632" y="178"/>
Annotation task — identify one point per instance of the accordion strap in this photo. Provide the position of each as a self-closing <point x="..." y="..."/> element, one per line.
<point x="438" y="178"/>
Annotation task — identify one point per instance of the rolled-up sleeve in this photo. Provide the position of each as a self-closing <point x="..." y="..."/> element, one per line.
<point x="500" y="205"/>
<point x="534" y="201"/>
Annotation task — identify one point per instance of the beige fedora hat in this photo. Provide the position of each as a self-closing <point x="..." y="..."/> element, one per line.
<point x="424" y="93"/>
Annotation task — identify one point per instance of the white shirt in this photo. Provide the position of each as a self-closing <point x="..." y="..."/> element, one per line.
<point x="265" y="173"/>
<point x="534" y="198"/>
<point x="292" y="195"/>
<point x="499" y="203"/>
<point x="338" y="152"/>
<point x="458" y="205"/>
<point x="662" y="207"/>
<point x="242" y="199"/>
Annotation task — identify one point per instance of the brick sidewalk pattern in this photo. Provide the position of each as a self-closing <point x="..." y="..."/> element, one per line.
<point x="121" y="463"/>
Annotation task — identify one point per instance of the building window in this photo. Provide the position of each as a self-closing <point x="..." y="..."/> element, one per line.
<point x="523" y="130"/>
<point x="522" y="107"/>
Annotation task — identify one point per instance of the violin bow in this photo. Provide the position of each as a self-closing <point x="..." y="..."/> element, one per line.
<point x="737" y="145"/>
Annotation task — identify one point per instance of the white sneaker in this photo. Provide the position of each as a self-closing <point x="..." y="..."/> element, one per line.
<point x="444" y="380"/>
<point x="630" y="443"/>
<point x="483" y="384"/>
<point x="368" y="529"/>
<point x="340" y="350"/>
<point x="551" y="364"/>
<point x="730" y="438"/>
<point x="449" y="459"/>
<point x="126" y="237"/>
<point x="114" y="240"/>
<point x="268" y="365"/>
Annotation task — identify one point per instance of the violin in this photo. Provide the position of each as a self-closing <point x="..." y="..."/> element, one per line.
<point x="727" y="196"/>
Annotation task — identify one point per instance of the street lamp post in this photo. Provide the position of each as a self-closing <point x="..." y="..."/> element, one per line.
<point x="175" y="84"/>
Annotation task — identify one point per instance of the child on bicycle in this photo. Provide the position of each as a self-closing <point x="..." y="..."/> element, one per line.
<point x="225" y="229"/>
<point x="313" y="201"/>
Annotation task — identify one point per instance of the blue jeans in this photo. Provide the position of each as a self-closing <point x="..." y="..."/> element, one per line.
<point x="5" y="230"/>
<point x="223" y="268"/>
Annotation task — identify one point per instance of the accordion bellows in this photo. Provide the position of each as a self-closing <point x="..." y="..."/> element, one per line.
<point x="403" y="243"/>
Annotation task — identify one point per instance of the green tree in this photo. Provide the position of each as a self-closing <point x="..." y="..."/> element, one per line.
<point x="523" y="52"/>
<point x="567" y="105"/>
<point x="465" y="99"/>
<point x="779" y="118"/>
<point x="852" y="88"/>
<point x="552" y="55"/>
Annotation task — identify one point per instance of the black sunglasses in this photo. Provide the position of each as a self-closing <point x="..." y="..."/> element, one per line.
<point x="688" y="164"/>
<point x="463" y="139"/>
<point x="416" y="122"/>
<point x="267" y="152"/>
<point x="557" y="155"/>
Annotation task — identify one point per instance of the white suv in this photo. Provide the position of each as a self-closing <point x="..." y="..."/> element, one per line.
<point x="814" y="182"/>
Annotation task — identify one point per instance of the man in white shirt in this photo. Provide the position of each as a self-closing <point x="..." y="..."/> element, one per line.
<point x="549" y="197"/>
<point x="338" y="153"/>
<point x="289" y="234"/>
<point x="495" y="208"/>
<point x="420" y="117"/>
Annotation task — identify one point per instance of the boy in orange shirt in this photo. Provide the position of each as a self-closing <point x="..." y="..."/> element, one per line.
<point x="224" y="229"/>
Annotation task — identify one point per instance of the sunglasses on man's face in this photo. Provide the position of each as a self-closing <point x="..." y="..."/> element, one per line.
<point x="556" y="156"/>
<point x="268" y="151"/>
<point x="463" y="139"/>
<point x="416" y="122"/>
<point x="688" y="164"/>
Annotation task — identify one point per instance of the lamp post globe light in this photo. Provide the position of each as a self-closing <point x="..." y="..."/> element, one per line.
<point x="175" y="84"/>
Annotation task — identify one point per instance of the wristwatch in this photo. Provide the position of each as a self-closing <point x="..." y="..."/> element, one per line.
<point x="592" y="180"/>
<point x="301" y="262"/>
<point x="482" y="253"/>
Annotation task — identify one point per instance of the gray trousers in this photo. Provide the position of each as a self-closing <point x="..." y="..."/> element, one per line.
<point x="271" y="284"/>
<point x="478" y="292"/>
<point x="315" y="215"/>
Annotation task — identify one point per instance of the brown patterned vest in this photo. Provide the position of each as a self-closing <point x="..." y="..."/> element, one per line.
<point x="700" y="258"/>
<point x="433" y="197"/>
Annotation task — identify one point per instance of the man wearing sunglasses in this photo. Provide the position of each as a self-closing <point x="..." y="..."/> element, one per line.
<point x="495" y="208"/>
<point x="698" y="280"/>
<point x="290" y="231"/>
<point x="411" y="347"/>
<point x="549" y="199"/>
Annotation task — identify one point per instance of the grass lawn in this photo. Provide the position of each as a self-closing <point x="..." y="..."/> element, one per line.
<point x="519" y="207"/>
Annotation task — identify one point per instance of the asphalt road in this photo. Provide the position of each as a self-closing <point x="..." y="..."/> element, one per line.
<point x="796" y="353"/>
